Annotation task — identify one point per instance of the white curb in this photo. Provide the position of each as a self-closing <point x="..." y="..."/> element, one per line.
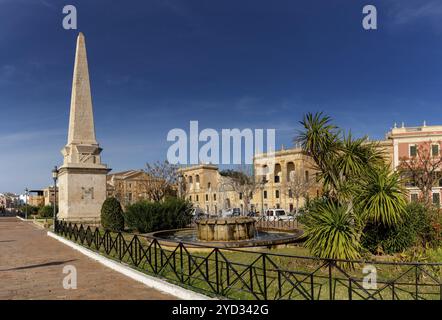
<point x="20" y="218"/>
<point x="149" y="281"/>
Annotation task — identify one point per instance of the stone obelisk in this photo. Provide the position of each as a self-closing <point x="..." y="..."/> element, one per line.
<point x="82" y="177"/>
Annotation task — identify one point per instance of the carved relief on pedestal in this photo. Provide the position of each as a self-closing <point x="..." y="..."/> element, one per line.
<point x="87" y="193"/>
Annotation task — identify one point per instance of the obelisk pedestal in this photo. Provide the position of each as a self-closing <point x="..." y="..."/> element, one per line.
<point x="82" y="177"/>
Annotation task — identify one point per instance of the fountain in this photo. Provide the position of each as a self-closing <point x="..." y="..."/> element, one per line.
<point x="226" y="229"/>
<point x="228" y="232"/>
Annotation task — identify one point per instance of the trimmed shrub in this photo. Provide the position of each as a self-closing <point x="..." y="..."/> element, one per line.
<point x="112" y="217"/>
<point x="145" y="216"/>
<point x="419" y="227"/>
<point x="46" y="212"/>
<point x="32" y="210"/>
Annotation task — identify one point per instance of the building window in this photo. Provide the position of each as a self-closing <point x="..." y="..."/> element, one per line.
<point x="290" y="193"/>
<point x="413" y="197"/>
<point x="276" y="179"/>
<point x="190" y="198"/>
<point x="413" y="150"/>
<point x="207" y="197"/>
<point x="434" y="150"/>
<point x="209" y="185"/>
<point x="306" y="175"/>
<point x="265" y="194"/>
<point x="277" y="194"/>
<point x="214" y="196"/>
<point x="197" y="198"/>
<point x="240" y="196"/>
<point x="436" y="198"/>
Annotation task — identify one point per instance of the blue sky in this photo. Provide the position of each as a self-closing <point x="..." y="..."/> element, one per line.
<point x="157" y="64"/>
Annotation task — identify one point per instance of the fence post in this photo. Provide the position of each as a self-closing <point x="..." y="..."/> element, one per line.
<point x="312" y="287"/>
<point x="181" y="262"/>
<point x="264" y="273"/>
<point x="155" y="254"/>
<point x="350" y="293"/>
<point x="216" y="270"/>
<point x="330" y="289"/>
<point x="416" y="281"/>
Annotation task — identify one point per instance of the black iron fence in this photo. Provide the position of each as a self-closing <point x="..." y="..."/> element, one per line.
<point x="246" y="274"/>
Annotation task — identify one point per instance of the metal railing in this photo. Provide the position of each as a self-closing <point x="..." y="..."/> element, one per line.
<point x="247" y="274"/>
<point x="264" y="223"/>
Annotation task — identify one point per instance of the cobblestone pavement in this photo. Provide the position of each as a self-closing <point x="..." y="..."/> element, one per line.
<point x="31" y="267"/>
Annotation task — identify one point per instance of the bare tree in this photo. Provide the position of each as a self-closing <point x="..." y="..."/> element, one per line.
<point x="423" y="169"/>
<point x="243" y="182"/>
<point x="298" y="185"/>
<point x="162" y="181"/>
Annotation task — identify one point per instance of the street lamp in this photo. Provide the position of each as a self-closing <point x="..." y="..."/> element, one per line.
<point x="55" y="177"/>
<point x="26" y="203"/>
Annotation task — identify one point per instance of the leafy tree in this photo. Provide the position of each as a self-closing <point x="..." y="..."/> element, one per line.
<point x="163" y="180"/>
<point x="298" y="186"/>
<point x="422" y="170"/>
<point x="112" y="215"/>
<point x="242" y="181"/>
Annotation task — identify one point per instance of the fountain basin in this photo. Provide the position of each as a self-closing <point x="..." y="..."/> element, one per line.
<point x="225" y="229"/>
<point x="190" y="238"/>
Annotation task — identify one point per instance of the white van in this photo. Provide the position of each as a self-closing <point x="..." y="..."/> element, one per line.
<point x="276" y="214"/>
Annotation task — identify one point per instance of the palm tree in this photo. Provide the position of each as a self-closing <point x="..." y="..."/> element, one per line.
<point x="355" y="179"/>
<point x="330" y="232"/>
<point x="382" y="199"/>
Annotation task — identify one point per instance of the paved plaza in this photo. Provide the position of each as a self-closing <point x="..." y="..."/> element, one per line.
<point x="31" y="267"/>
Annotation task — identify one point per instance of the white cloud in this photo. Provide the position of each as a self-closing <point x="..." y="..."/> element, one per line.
<point x="406" y="12"/>
<point x="25" y="137"/>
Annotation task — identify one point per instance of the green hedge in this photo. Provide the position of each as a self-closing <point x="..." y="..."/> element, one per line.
<point x="145" y="216"/>
<point x="112" y="215"/>
<point x="32" y="210"/>
<point x="46" y="212"/>
<point x="418" y="228"/>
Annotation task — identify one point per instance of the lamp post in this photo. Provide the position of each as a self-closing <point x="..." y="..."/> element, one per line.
<point x="26" y="203"/>
<point x="55" y="177"/>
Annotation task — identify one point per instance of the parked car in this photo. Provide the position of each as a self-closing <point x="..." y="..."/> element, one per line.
<point x="234" y="212"/>
<point x="252" y="214"/>
<point x="198" y="213"/>
<point x="276" y="215"/>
